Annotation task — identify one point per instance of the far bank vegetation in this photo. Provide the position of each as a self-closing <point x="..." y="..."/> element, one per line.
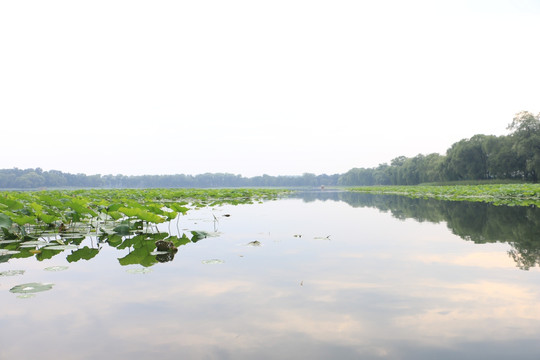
<point x="482" y="158"/>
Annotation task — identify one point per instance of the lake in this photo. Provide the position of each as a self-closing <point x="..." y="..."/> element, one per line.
<point x="317" y="275"/>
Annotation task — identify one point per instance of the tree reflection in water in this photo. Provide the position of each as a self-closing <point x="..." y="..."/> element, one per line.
<point x="481" y="223"/>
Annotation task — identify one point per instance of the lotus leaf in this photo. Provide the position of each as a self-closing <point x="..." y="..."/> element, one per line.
<point x="12" y="272"/>
<point x="199" y="235"/>
<point x="122" y="229"/>
<point x="47" y="253"/>
<point x="5" y="221"/>
<point x="114" y="207"/>
<point x="33" y="243"/>
<point x="8" y="252"/>
<point x="11" y="204"/>
<point x="85" y="253"/>
<point x="8" y="241"/>
<point x="56" y="268"/>
<point x="62" y="247"/>
<point x="30" y="288"/>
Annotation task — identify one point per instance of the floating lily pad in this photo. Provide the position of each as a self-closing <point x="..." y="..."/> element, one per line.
<point x="30" y="288"/>
<point x="8" y="252"/>
<point x="212" y="261"/>
<point x="62" y="247"/>
<point x="56" y="268"/>
<point x="139" y="271"/>
<point x="28" y="244"/>
<point x="34" y="242"/>
<point x="8" y="241"/>
<point x="12" y="272"/>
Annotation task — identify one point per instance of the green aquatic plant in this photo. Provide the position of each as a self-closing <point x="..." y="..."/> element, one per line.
<point x="31" y="288"/>
<point x="12" y="272"/>
<point x="36" y="211"/>
<point x="46" y="223"/>
<point x="5" y="221"/>
<point x="496" y="194"/>
<point x="56" y="268"/>
<point x="84" y="253"/>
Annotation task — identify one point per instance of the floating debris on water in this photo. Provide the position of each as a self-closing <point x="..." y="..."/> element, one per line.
<point x="254" y="243"/>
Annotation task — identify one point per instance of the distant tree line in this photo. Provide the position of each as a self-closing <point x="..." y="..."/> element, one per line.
<point x="37" y="178"/>
<point x="482" y="157"/>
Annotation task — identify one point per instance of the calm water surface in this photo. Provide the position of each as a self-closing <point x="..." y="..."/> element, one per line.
<point x="336" y="276"/>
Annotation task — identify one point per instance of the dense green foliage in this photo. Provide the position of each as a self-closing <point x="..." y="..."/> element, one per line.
<point x="51" y="208"/>
<point x="37" y="178"/>
<point x="46" y="223"/>
<point x="482" y="157"/>
<point x="497" y="194"/>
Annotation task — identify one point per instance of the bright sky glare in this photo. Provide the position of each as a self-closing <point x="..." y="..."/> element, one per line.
<point x="251" y="87"/>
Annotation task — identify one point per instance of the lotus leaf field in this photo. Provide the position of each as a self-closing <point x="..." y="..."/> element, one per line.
<point x="496" y="194"/>
<point x="46" y="223"/>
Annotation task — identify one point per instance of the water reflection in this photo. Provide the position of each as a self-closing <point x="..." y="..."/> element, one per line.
<point x="383" y="286"/>
<point x="472" y="221"/>
<point x="481" y="223"/>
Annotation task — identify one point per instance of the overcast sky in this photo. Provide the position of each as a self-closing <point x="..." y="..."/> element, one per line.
<point x="257" y="87"/>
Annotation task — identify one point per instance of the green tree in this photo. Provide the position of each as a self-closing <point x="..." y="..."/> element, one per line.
<point x="31" y="180"/>
<point x="525" y="129"/>
<point x="503" y="160"/>
<point x="467" y="159"/>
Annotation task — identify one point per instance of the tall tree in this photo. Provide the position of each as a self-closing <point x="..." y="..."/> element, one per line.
<point x="526" y="132"/>
<point x="467" y="160"/>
